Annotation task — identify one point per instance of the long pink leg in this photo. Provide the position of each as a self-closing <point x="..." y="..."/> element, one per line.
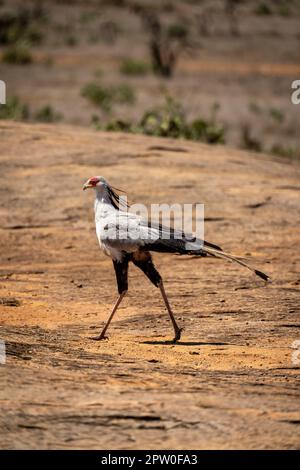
<point x="102" y="334"/>
<point x="175" y="326"/>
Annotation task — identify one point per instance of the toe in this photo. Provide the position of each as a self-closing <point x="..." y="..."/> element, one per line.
<point x="98" y="338"/>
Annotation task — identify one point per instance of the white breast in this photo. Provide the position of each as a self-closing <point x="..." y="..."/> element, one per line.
<point x="120" y="232"/>
<point x="105" y="215"/>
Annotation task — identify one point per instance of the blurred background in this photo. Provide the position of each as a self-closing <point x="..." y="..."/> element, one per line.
<point x="218" y="71"/>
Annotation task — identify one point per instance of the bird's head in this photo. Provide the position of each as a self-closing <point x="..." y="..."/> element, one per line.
<point x="106" y="190"/>
<point x="97" y="182"/>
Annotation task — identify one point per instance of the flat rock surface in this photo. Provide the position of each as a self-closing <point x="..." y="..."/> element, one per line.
<point x="231" y="382"/>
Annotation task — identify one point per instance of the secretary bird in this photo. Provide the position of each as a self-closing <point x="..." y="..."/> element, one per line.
<point x="125" y="237"/>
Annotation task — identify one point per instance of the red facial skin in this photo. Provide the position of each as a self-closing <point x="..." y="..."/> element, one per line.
<point x="93" y="181"/>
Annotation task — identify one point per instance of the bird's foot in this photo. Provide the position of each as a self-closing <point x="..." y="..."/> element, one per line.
<point x="98" y="338"/>
<point x="177" y="335"/>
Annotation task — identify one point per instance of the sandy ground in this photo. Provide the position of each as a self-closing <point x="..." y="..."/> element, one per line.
<point x="229" y="383"/>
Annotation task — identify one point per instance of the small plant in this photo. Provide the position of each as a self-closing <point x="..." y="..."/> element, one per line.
<point x="277" y="115"/>
<point x="207" y="131"/>
<point x="19" y="26"/>
<point x="248" y="141"/>
<point x="166" y="121"/>
<point x="32" y="35"/>
<point x="118" y="125"/>
<point x="263" y="9"/>
<point x="17" y="54"/>
<point x="105" y="97"/>
<point x="47" y="114"/>
<point x="282" y="151"/>
<point x="14" y="110"/>
<point x="169" y="121"/>
<point x="95" y="121"/>
<point x="134" y="67"/>
<point x="98" y="95"/>
<point x="177" y="30"/>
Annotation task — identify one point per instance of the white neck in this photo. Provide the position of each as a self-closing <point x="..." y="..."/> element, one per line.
<point x="102" y="196"/>
<point x="102" y="203"/>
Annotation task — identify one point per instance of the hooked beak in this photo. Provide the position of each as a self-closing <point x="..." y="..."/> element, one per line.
<point x="87" y="185"/>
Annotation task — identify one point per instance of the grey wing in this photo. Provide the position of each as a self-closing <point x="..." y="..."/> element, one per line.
<point x="126" y="232"/>
<point x="177" y="241"/>
<point x="171" y="240"/>
<point x="129" y="232"/>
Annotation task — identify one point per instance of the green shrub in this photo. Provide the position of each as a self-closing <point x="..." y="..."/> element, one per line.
<point x="14" y="109"/>
<point x="19" y="26"/>
<point x="105" y="97"/>
<point x="166" y="121"/>
<point x="207" y="132"/>
<point x="277" y="115"/>
<point x="282" y="151"/>
<point x="263" y="9"/>
<point x="47" y="114"/>
<point x="95" y="121"/>
<point x="169" y="121"/>
<point x="17" y="54"/>
<point x="134" y="67"/>
<point x="248" y="141"/>
<point x="32" y="35"/>
<point x="177" y="30"/>
<point x="119" y="125"/>
<point x="98" y="95"/>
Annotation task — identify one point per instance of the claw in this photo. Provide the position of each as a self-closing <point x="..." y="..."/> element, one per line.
<point x="98" y="338"/>
<point x="177" y="335"/>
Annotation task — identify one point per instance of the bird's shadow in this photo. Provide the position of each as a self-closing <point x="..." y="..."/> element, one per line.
<point x="184" y="343"/>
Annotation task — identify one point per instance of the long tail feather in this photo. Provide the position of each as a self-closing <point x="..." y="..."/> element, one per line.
<point x="236" y="259"/>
